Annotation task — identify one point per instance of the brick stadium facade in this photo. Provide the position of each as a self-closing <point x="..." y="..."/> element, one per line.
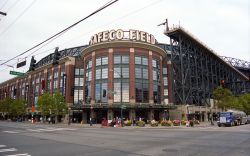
<point x="118" y="69"/>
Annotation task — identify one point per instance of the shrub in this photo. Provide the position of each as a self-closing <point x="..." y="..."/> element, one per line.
<point x="166" y="123"/>
<point x="183" y="122"/>
<point x="128" y="123"/>
<point x="176" y="122"/>
<point x="154" y="123"/>
<point x="140" y="123"/>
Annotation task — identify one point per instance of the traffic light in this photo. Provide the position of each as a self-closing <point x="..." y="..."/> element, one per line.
<point x="32" y="64"/>
<point x="56" y="56"/>
<point x="222" y="83"/>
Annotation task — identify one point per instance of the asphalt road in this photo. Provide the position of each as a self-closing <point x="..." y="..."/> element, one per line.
<point x="20" y="139"/>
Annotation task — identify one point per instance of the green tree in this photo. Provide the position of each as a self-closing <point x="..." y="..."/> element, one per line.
<point x="59" y="106"/>
<point x="223" y="98"/>
<point x="244" y="100"/>
<point x="44" y="104"/>
<point x="17" y="108"/>
<point x="5" y="106"/>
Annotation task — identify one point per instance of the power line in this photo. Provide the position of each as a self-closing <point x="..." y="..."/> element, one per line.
<point x="64" y="30"/>
<point x="11" y="24"/>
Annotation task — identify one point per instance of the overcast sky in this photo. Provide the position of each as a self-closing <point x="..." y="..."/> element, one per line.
<point x="223" y="25"/>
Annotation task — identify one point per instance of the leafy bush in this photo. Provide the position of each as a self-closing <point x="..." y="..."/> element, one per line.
<point x="154" y="123"/>
<point x="128" y="123"/>
<point x="183" y="122"/>
<point x="166" y="123"/>
<point x="140" y="123"/>
<point x="176" y="122"/>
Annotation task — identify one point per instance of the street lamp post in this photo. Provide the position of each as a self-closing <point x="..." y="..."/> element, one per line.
<point x="69" y="116"/>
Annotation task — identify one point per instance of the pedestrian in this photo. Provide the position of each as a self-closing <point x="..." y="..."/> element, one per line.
<point x="90" y="121"/>
<point x="134" y="122"/>
<point x="49" y="120"/>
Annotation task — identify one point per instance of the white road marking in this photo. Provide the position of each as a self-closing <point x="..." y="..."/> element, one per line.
<point x="12" y="132"/>
<point x="2" y="146"/>
<point x="7" y="150"/>
<point x="51" y="129"/>
<point x="24" y="154"/>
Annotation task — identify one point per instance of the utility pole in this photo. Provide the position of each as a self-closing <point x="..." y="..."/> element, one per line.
<point x="165" y="23"/>
<point x="3" y="13"/>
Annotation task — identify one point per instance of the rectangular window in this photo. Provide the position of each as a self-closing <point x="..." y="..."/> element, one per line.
<point x="125" y="59"/>
<point x="117" y="73"/>
<point x="104" y="92"/>
<point x="75" y="96"/>
<point x="97" y="93"/>
<point x="117" y="89"/>
<point x="90" y="76"/>
<point x="89" y="64"/>
<point x="77" y="71"/>
<point x="154" y="75"/>
<point x="165" y="92"/>
<point x="138" y="73"/>
<point x="98" y="74"/>
<point x="98" y="61"/>
<point x="165" y="71"/>
<point x="76" y="81"/>
<point x="138" y="92"/>
<point x="137" y="60"/>
<point x="165" y="81"/>
<point x="145" y="73"/>
<point x="125" y="72"/>
<point x="104" y="73"/>
<point x="104" y="60"/>
<point x="81" y="72"/>
<point x="80" y="81"/>
<point x="154" y="63"/>
<point x="117" y="59"/>
<point x="125" y="92"/>
<point x="144" y="61"/>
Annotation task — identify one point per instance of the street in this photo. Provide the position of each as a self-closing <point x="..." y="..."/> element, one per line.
<point x="23" y="139"/>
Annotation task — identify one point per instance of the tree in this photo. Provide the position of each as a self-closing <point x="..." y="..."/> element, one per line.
<point x="5" y="106"/>
<point x="17" y="108"/>
<point x="59" y="106"/>
<point x="245" y="102"/>
<point x="44" y="104"/>
<point x="223" y="98"/>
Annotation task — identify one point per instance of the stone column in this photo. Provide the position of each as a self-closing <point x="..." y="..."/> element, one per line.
<point x="132" y="76"/>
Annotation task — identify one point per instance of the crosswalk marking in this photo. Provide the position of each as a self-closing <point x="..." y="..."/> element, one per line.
<point x="2" y="146"/>
<point x="24" y="154"/>
<point x="12" y="132"/>
<point x="7" y="150"/>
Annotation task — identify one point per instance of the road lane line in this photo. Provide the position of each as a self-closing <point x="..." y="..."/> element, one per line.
<point x="12" y="132"/>
<point x="24" y="154"/>
<point x="7" y="150"/>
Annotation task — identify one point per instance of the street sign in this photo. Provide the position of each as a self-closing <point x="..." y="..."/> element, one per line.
<point x="16" y="73"/>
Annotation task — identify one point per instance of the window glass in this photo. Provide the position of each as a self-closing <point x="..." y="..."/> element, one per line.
<point x="125" y="59"/>
<point x="165" y="81"/>
<point x="104" y="60"/>
<point x="138" y="92"/>
<point x="154" y="63"/>
<point x="80" y="81"/>
<point x="104" y="92"/>
<point x="77" y="71"/>
<point x="125" y="72"/>
<point x="98" y="61"/>
<point x="90" y="76"/>
<point x="104" y="73"/>
<point x="117" y="89"/>
<point x="117" y="59"/>
<point x="145" y="92"/>
<point x="81" y="72"/>
<point x="76" y="81"/>
<point x="145" y="61"/>
<point x="165" y="71"/>
<point x="75" y="96"/>
<point x="145" y="73"/>
<point x="138" y="73"/>
<point x="125" y="92"/>
<point x="154" y="75"/>
<point x="117" y="73"/>
<point x="98" y="74"/>
<point x="137" y="60"/>
<point x="97" y="93"/>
